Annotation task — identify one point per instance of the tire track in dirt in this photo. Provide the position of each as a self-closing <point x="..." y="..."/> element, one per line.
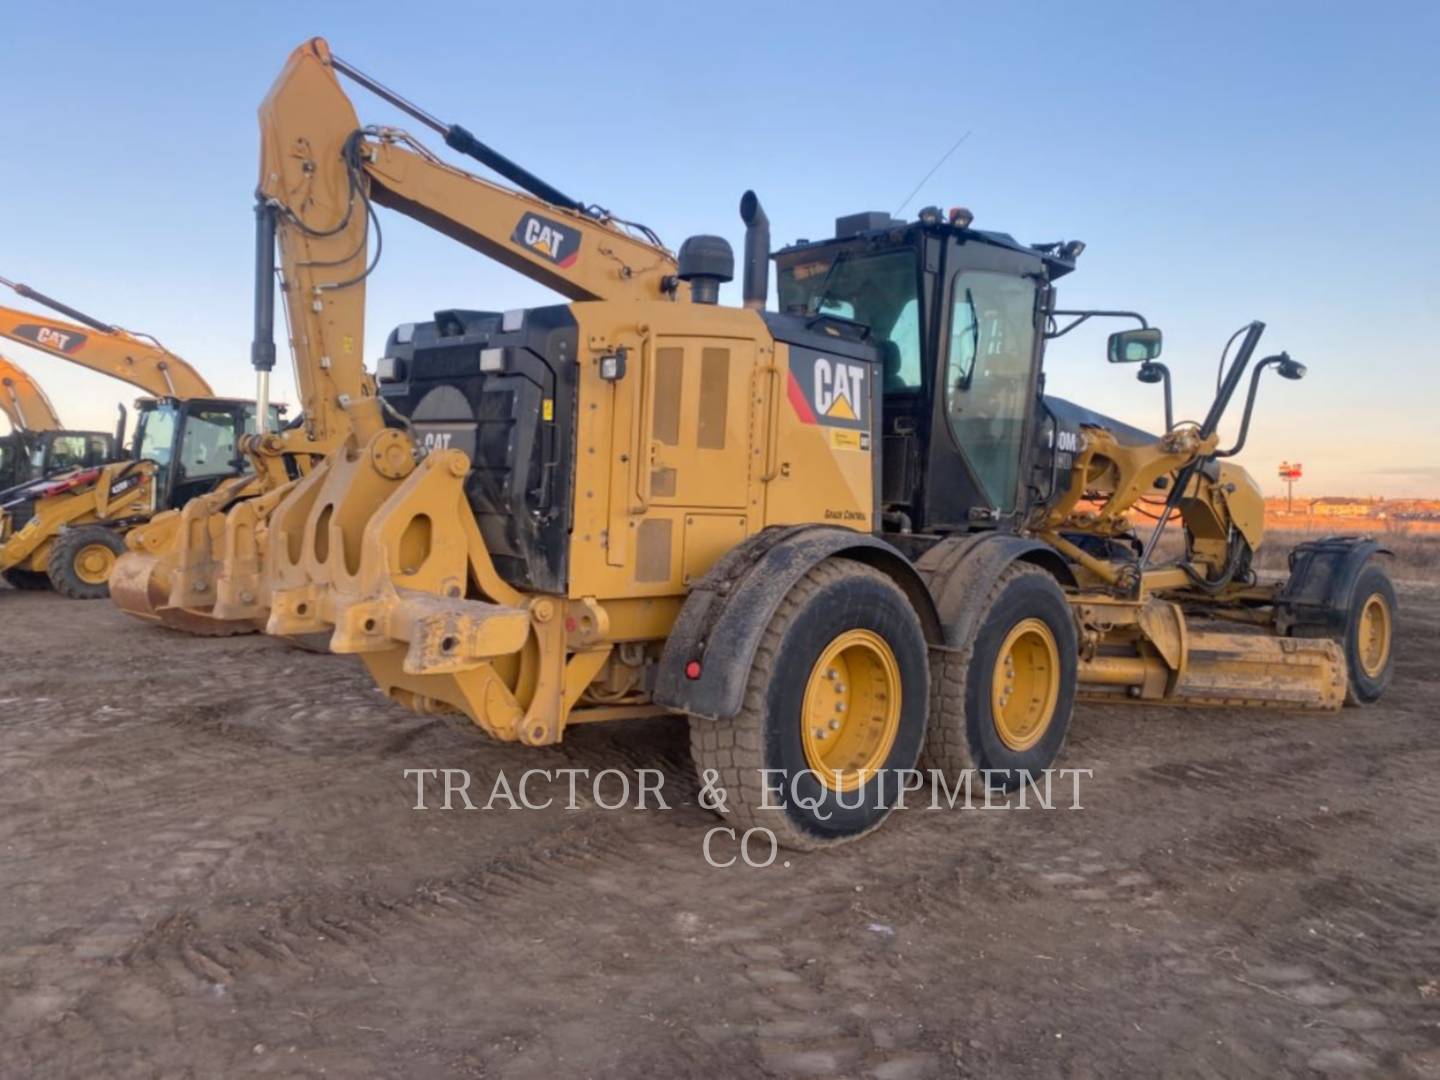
<point x="245" y="871"/>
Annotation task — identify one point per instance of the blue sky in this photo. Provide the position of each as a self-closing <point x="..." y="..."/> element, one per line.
<point x="1222" y="162"/>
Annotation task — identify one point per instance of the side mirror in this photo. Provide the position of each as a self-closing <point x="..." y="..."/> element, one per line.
<point x="1134" y="346"/>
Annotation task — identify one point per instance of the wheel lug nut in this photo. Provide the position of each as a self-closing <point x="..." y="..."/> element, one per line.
<point x="839" y="706"/>
<point x="834" y="725"/>
<point x="819" y="733"/>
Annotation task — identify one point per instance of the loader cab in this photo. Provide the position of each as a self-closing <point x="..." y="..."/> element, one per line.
<point x="194" y="444"/>
<point x="61" y="451"/>
<point x="957" y="316"/>
<point x="35" y="455"/>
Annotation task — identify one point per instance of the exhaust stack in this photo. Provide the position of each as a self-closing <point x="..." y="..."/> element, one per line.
<point x="757" y="251"/>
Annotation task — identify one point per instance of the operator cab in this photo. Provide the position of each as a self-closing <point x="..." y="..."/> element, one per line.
<point x="60" y="451"/>
<point x="34" y="455"/>
<point x="194" y="443"/>
<point x="958" y="318"/>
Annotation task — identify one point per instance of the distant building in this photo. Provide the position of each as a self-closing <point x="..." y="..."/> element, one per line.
<point x="1337" y="506"/>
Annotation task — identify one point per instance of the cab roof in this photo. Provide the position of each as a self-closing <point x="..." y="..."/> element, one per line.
<point x="882" y="228"/>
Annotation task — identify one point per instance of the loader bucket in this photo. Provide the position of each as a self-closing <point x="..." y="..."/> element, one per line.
<point x="138" y="585"/>
<point x="171" y="572"/>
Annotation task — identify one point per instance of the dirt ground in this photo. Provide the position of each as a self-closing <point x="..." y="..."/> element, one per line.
<point x="209" y="865"/>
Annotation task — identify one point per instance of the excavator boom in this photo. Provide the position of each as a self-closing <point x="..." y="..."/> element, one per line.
<point x="23" y="402"/>
<point x="136" y="359"/>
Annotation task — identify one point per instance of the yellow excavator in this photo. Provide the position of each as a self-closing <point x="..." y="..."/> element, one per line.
<point x="840" y="538"/>
<point x="67" y="530"/>
<point x="203" y="569"/>
<point x="38" y="445"/>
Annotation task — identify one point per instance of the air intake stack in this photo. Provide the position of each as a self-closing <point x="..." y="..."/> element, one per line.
<point x="706" y="262"/>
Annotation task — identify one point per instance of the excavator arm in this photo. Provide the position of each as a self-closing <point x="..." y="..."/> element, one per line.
<point x="136" y="359"/>
<point x="23" y="402"/>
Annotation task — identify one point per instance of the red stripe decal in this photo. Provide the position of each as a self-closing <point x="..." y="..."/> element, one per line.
<point x="797" y="399"/>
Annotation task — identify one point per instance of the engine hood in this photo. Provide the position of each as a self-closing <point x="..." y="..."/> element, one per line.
<point x="1071" y="417"/>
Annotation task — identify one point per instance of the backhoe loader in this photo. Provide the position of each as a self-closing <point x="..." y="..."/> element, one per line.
<point x="37" y="444"/>
<point x="840" y="538"/>
<point x="66" y="531"/>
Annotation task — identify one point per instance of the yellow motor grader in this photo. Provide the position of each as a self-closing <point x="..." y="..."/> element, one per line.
<point x="66" y="530"/>
<point x="38" y="445"/>
<point x="839" y="537"/>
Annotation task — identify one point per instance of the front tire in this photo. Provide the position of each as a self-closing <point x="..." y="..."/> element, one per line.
<point x="81" y="560"/>
<point x="1370" y="637"/>
<point x="1002" y="699"/>
<point x="834" y="711"/>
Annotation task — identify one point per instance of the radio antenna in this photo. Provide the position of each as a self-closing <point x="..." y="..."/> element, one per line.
<point x="929" y="174"/>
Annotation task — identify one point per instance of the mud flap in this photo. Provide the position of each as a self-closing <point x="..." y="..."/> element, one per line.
<point x="1315" y="599"/>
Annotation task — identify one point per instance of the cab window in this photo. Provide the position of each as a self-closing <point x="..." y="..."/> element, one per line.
<point x="272" y="425"/>
<point x="208" y="447"/>
<point x="988" y="379"/>
<point x="878" y="290"/>
<point x="67" y="452"/>
<point x="157" y="434"/>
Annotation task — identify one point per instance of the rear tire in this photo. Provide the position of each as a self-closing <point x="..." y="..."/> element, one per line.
<point x="26" y="580"/>
<point x="834" y="710"/>
<point x="1369" y="637"/>
<point x="81" y="560"/>
<point x="975" y="722"/>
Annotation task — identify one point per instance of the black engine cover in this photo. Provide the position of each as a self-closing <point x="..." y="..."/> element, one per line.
<point x="515" y="422"/>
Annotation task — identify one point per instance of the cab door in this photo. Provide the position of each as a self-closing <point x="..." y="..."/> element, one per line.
<point x="208" y="450"/>
<point x="986" y="387"/>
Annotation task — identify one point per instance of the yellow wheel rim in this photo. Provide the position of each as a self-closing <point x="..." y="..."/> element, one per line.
<point x="1025" y="684"/>
<point x="851" y="712"/>
<point x="93" y="564"/>
<point x="1373" y="637"/>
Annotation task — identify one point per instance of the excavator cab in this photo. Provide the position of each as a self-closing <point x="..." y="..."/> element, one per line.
<point x="957" y="316"/>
